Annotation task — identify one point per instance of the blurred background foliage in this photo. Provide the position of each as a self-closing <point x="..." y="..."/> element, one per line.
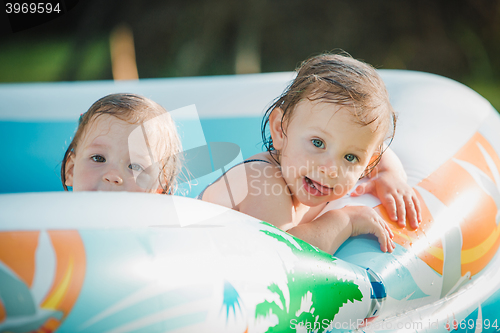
<point x="458" y="39"/>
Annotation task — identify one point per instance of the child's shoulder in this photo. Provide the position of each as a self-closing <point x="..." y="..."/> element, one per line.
<point x="260" y="169"/>
<point x="244" y="179"/>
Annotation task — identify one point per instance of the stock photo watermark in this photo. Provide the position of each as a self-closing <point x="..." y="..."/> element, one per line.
<point x="430" y="324"/>
<point x="353" y="325"/>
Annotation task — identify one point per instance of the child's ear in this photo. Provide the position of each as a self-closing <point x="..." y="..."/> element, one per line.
<point x="70" y="167"/>
<point x="376" y="156"/>
<point x="371" y="168"/>
<point x="276" y="129"/>
<point x="161" y="187"/>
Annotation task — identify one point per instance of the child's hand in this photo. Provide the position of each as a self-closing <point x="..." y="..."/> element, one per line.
<point x="398" y="198"/>
<point x="365" y="220"/>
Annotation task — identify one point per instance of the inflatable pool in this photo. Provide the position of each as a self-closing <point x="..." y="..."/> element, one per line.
<point x="131" y="262"/>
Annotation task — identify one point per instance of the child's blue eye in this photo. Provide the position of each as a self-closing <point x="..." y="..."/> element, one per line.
<point x="135" y="167"/>
<point x="98" y="159"/>
<point x="318" y="143"/>
<point x="351" y="158"/>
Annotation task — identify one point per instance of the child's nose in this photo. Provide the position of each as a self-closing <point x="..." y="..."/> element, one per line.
<point x="331" y="170"/>
<point x="112" y="177"/>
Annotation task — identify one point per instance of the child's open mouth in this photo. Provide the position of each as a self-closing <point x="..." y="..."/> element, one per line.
<point x="315" y="188"/>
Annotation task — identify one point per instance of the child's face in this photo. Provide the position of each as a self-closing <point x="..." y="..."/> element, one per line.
<point x="108" y="157"/>
<point x="324" y="152"/>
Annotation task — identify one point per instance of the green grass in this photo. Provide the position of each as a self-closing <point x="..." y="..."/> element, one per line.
<point x="97" y="58"/>
<point x="22" y="61"/>
<point x="44" y="60"/>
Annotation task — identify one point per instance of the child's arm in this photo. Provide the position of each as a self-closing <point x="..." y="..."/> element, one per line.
<point x="267" y="200"/>
<point x="334" y="227"/>
<point x="388" y="183"/>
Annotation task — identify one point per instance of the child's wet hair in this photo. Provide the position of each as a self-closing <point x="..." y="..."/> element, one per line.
<point x="339" y="79"/>
<point x="134" y="109"/>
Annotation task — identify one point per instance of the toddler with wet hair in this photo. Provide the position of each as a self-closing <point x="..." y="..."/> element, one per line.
<point x="124" y="142"/>
<point x="327" y="130"/>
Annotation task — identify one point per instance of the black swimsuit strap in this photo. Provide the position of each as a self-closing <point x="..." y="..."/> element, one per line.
<point x="255" y="160"/>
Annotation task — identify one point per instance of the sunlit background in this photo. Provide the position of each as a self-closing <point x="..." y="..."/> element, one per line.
<point x="125" y="39"/>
